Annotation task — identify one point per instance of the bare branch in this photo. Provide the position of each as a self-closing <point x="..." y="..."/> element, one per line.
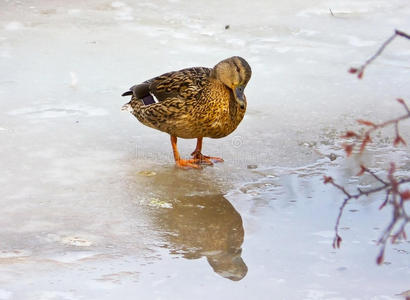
<point x="403" y="34"/>
<point x="365" y="138"/>
<point x="375" y="176"/>
<point x="392" y="186"/>
<point x="393" y="197"/>
<point x="359" y="71"/>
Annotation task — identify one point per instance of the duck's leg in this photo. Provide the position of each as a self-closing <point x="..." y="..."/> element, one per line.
<point x="204" y="159"/>
<point x="183" y="163"/>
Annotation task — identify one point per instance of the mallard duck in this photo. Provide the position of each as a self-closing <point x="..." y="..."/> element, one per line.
<point x="193" y="103"/>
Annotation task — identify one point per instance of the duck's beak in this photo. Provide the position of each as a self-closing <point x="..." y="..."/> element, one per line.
<point x="240" y="96"/>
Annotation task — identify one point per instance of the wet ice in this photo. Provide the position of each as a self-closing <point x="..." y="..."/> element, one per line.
<point x="92" y="204"/>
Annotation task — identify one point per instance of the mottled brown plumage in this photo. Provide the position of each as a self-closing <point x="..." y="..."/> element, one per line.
<point x="193" y="103"/>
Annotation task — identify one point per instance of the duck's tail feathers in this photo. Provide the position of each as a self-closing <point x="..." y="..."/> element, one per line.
<point x="128" y="93"/>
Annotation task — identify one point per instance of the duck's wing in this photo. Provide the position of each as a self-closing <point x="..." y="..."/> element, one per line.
<point x="183" y="84"/>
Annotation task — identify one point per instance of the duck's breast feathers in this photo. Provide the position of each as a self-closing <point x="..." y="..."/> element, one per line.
<point x="183" y="84"/>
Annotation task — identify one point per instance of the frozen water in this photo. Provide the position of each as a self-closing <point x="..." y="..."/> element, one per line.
<point x="92" y="206"/>
<point x="13" y="26"/>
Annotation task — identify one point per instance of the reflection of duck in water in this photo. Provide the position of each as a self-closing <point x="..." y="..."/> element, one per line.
<point x="207" y="226"/>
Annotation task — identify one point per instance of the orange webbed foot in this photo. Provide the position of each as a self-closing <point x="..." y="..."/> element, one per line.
<point x="204" y="159"/>
<point x="188" y="164"/>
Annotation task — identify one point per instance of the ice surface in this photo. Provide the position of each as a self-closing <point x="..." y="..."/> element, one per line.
<point x="92" y="206"/>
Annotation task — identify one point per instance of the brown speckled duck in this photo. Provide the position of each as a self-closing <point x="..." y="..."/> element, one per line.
<point x="193" y="103"/>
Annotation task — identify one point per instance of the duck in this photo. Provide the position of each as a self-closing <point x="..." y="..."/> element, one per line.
<point x="193" y="103"/>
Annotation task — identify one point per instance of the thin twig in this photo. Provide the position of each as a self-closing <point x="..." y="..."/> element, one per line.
<point x="392" y="193"/>
<point x="365" y="138"/>
<point x="337" y="239"/>
<point x="402" y="33"/>
<point x="391" y="185"/>
<point x="375" y="176"/>
<point x="359" y="71"/>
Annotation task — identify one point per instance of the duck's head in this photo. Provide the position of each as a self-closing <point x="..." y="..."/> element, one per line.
<point x="235" y="73"/>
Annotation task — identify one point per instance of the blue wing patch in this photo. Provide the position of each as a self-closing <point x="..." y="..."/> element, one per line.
<point x="149" y="99"/>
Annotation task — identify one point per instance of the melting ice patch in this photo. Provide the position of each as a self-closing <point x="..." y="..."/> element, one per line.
<point x="76" y="241"/>
<point x="73" y="256"/>
<point x="50" y="111"/>
<point x="156" y="203"/>
<point x="325" y="234"/>
<point x="74" y="11"/>
<point x="74" y="79"/>
<point x="4" y="53"/>
<point x="52" y="295"/>
<point x="4" y="295"/>
<point x="124" y="12"/>
<point x="117" y="4"/>
<point x="14" y="254"/>
<point x="357" y="42"/>
<point x="14" y="26"/>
